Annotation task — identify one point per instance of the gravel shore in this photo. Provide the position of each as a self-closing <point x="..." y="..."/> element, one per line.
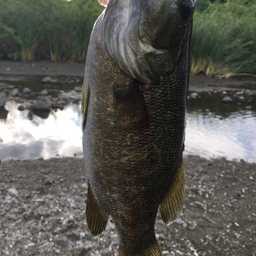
<point x="43" y="210"/>
<point x="43" y="201"/>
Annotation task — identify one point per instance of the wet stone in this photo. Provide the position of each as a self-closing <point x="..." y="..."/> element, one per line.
<point x="78" y="88"/>
<point x="3" y="100"/>
<point x="26" y="91"/>
<point x="227" y="100"/>
<point x="194" y="95"/>
<point x="42" y="104"/>
<point x="21" y="108"/>
<point x="47" y="79"/>
<point x="15" y="92"/>
<point x="44" y="92"/>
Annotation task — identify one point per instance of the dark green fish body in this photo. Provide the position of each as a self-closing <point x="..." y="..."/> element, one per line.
<point x="134" y="106"/>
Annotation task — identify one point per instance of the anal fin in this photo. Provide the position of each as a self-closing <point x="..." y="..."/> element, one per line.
<point x="95" y="216"/>
<point x="171" y="205"/>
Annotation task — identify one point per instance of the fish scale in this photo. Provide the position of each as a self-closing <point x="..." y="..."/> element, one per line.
<point x="133" y="127"/>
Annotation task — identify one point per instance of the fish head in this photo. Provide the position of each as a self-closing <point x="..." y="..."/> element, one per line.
<point x="147" y="37"/>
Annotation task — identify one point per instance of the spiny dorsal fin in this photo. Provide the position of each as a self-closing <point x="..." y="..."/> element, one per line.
<point x="171" y="205"/>
<point x="153" y="250"/>
<point x="103" y="2"/>
<point x="96" y="218"/>
<point x="85" y="102"/>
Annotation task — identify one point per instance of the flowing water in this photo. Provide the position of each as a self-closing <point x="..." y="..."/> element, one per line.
<point x="213" y="129"/>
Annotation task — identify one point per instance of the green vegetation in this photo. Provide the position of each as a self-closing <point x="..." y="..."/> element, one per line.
<point x="55" y="30"/>
<point x="224" y="38"/>
<point x="223" y="41"/>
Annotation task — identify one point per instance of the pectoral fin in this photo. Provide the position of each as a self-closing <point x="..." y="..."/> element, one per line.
<point x="85" y="102"/>
<point x="171" y="205"/>
<point x="129" y="103"/>
<point x="95" y="216"/>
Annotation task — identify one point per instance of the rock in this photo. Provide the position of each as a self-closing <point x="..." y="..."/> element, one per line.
<point x="241" y="98"/>
<point x="193" y="95"/>
<point x="13" y="192"/>
<point x="56" y="105"/>
<point x="19" y="100"/>
<point x="43" y="104"/>
<point x="69" y="223"/>
<point x="63" y="100"/>
<point x="7" y="92"/>
<point x="239" y="93"/>
<point x="224" y="93"/>
<point x="8" y="69"/>
<point x="49" y="181"/>
<point x="227" y="100"/>
<point x="26" y="91"/>
<point x="3" y="99"/>
<point x="44" y="92"/>
<point x="47" y="79"/>
<point x="15" y="92"/>
<point x="78" y="88"/>
<point x="21" y="108"/>
<point x="54" y="81"/>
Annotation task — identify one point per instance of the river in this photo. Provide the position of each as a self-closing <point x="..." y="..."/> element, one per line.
<point x="214" y="129"/>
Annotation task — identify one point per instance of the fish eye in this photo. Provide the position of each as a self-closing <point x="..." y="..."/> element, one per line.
<point x="186" y="9"/>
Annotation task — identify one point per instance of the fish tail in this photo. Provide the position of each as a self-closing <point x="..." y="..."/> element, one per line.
<point x="152" y="250"/>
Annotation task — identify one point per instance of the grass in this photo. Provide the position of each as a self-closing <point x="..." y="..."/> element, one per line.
<point x="223" y="40"/>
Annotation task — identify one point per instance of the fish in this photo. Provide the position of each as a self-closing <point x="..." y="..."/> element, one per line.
<point x="134" y="118"/>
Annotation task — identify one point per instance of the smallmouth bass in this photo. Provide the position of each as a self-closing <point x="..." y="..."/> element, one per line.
<point x="134" y="106"/>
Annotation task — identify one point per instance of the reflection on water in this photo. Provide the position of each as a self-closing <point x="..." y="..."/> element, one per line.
<point x="213" y="130"/>
<point x="213" y="136"/>
<point x="26" y="136"/>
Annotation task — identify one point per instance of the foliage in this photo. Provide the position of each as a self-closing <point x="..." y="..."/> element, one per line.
<point x="224" y="39"/>
<point x="51" y="29"/>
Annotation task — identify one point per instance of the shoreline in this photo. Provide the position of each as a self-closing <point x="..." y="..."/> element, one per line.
<point x="43" y="201"/>
<point x="43" y="210"/>
<point x="46" y="68"/>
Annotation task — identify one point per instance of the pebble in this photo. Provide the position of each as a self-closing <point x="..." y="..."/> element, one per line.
<point x="21" y="108"/>
<point x="13" y="192"/>
<point x="26" y="91"/>
<point x="193" y="95"/>
<point x="179" y="221"/>
<point x="227" y="99"/>
<point x="47" y="79"/>
<point x="15" y="92"/>
<point x="44" y="92"/>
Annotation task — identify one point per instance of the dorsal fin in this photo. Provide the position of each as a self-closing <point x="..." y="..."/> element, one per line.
<point x="103" y="2"/>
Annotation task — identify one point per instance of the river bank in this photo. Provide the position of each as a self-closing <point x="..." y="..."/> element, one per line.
<point x="77" y="69"/>
<point x="43" y="201"/>
<point x="43" y="210"/>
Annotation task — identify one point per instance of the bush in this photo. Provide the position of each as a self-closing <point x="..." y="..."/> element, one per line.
<point x="224" y="39"/>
